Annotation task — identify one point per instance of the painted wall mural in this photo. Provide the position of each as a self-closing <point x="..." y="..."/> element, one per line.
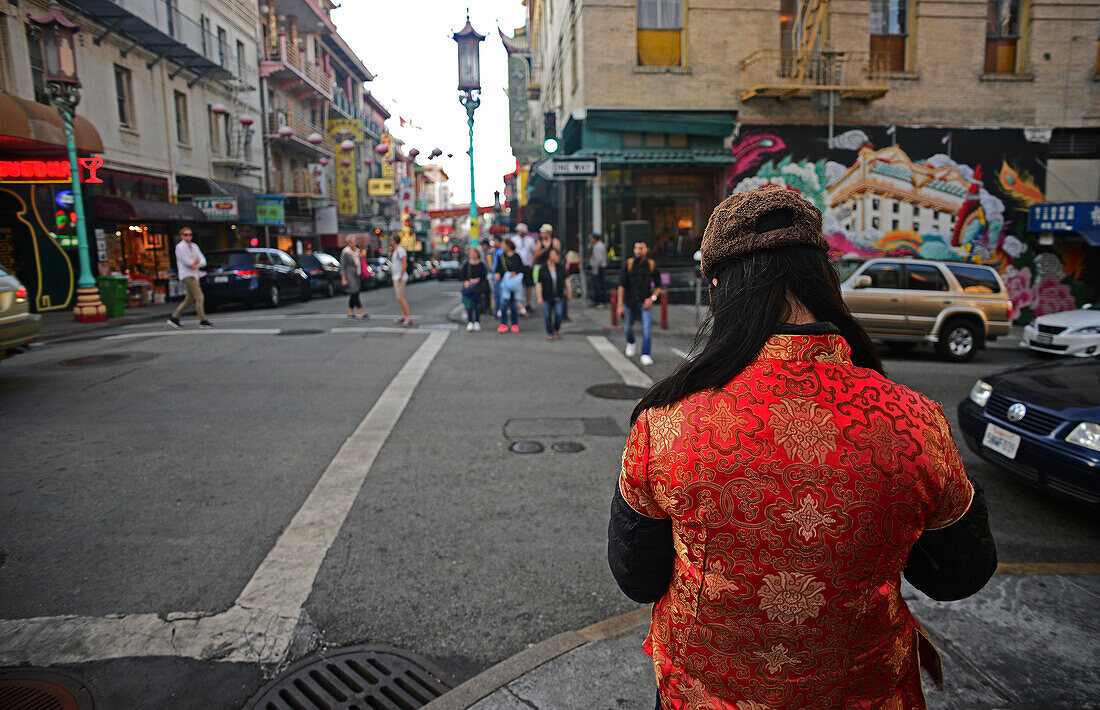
<point x="923" y="192"/>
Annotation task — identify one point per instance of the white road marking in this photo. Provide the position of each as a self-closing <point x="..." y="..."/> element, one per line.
<point x="631" y="373"/>
<point x="258" y="628"/>
<point x="196" y="331"/>
<point x="372" y="329"/>
<point x="243" y="319"/>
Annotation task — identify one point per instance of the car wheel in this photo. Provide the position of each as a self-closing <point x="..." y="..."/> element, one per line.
<point x="959" y="341"/>
<point x="330" y="290"/>
<point x="273" y="296"/>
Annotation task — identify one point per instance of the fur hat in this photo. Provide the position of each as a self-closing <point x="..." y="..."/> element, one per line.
<point x="765" y="218"/>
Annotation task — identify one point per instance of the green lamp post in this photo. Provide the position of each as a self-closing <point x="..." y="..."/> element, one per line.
<point x="469" y="83"/>
<point x="59" y="57"/>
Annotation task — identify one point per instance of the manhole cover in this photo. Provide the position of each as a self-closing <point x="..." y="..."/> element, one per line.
<point x="567" y="447"/>
<point x="526" y="447"/>
<point x="30" y="689"/>
<point x="300" y="331"/>
<point x="92" y="360"/>
<point x="374" y="677"/>
<point x="616" y="390"/>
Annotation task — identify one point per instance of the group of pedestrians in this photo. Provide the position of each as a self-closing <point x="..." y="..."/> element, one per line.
<point x="353" y="269"/>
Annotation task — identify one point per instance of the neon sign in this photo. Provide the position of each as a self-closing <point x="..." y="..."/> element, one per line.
<point x="47" y="171"/>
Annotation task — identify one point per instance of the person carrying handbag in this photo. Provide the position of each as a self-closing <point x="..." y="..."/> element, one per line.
<point x="351" y="270"/>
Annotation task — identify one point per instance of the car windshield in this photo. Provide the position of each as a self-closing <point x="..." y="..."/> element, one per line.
<point x="845" y="267"/>
<point x="228" y="260"/>
<point x="309" y="260"/>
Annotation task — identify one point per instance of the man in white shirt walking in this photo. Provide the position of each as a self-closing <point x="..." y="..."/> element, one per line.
<point x="399" y="270"/>
<point x="189" y="263"/>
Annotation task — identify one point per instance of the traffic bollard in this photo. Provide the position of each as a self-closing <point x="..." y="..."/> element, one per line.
<point x="664" y="309"/>
<point x="614" y="307"/>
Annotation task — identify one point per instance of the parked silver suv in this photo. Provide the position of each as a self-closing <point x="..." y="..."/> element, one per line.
<point x="956" y="306"/>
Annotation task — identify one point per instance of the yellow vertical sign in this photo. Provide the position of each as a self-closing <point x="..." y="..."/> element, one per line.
<point x="387" y="166"/>
<point x="347" y="188"/>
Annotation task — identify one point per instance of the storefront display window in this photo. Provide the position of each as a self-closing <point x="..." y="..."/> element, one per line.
<point x="677" y="205"/>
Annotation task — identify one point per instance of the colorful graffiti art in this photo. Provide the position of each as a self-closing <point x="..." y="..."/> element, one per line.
<point x="882" y="202"/>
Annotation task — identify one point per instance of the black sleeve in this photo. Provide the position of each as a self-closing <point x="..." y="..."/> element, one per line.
<point x="500" y="265"/>
<point x="622" y="275"/>
<point x="955" y="562"/>
<point x="639" y="551"/>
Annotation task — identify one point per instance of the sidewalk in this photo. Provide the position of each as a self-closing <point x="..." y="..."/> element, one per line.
<point x="60" y="324"/>
<point x="1024" y="641"/>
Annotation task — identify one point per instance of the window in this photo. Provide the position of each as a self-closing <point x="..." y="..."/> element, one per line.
<point x="38" y="74"/>
<point x="884" y="275"/>
<point x="223" y="48"/>
<point x="240" y="59"/>
<point x="677" y="140"/>
<point x="874" y="203"/>
<point x="975" y="279"/>
<point x="183" y="128"/>
<point x="889" y="23"/>
<point x="788" y="31"/>
<point x="1081" y="143"/>
<point x="1002" y="34"/>
<point x="916" y="211"/>
<point x="654" y="140"/>
<point x="660" y="30"/>
<point x="925" y="277"/>
<point x="632" y="139"/>
<point x="204" y="23"/>
<point x="217" y="124"/>
<point x="124" y="94"/>
<point x="895" y="206"/>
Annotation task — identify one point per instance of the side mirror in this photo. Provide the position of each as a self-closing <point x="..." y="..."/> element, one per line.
<point x="862" y="282"/>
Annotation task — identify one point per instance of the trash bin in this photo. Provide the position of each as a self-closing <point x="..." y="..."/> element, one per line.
<point x="112" y="292"/>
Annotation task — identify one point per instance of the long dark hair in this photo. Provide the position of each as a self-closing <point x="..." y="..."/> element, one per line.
<point x="748" y="302"/>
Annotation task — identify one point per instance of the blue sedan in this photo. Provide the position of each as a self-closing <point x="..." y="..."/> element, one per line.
<point x="1041" y="422"/>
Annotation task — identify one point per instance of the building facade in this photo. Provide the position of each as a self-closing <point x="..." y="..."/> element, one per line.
<point x="858" y="104"/>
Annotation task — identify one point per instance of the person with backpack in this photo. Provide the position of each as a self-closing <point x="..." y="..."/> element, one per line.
<point x="553" y="292"/>
<point x="639" y="289"/>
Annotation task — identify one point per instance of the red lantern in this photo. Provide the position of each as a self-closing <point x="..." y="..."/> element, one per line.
<point x="382" y="149"/>
<point x="347" y="146"/>
<point x="323" y="160"/>
<point x="246" y="120"/>
<point x="219" y="108"/>
<point x="315" y="138"/>
<point x="285" y="131"/>
<point x="346" y="162"/>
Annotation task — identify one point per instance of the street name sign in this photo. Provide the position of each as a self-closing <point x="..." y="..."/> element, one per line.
<point x="563" y="168"/>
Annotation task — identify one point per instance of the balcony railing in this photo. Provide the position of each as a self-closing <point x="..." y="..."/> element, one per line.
<point x="782" y="75"/>
<point x="287" y="54"/>
<point x="297" y="181"/>
<point x="302" y="129"/>
<point x="345" y="106"/>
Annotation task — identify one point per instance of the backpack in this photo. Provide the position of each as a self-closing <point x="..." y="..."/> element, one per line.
<point x="649" y="262"/>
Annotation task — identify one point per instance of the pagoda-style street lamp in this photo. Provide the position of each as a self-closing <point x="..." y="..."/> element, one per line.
<point x="59" y="57"/>
<point x="469" y="83"/>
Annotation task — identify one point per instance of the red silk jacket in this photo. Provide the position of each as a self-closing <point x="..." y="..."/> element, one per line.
<point x="795" y="493"/>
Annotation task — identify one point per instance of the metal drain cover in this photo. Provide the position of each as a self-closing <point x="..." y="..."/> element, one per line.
<point x="567" y="447"/>
<point x="31" y="689"/>
<point x="616" y="390"/>
<point x="93" y="360"/>
<point x="365" y="677"/>
<point x="526" y="447"/>
<point x="300" y="331"/>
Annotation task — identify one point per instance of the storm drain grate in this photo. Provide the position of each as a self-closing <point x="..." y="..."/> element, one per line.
<point x="355" y="678"/>
<point x="525" y="447"/>
<point x="616" y="390"/>
<point x="31" y="689"/>
<point x="567" y="447"/>
<point x="300" y="331"/>
<point x="92" y="360"/>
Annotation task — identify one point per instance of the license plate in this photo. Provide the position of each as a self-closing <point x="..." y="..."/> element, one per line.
<point x="1043" y="339"/>
<point x="221" y="279"/>
<point x="1001" y="440"/>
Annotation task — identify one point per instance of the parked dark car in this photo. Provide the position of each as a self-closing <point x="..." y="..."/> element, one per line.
<point x="1041" y="422"/>
<point x="252" y="276"/>
<point x="447" y="270"/>
<point x="380" y="267"/>
<point x="323" y="271"/>
<point x="418" y="271"/>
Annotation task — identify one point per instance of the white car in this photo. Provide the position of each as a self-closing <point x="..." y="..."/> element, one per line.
<point x="1074" y="333"/>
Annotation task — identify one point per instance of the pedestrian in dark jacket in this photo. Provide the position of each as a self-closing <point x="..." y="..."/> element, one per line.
<point x="553" y="292"/>
<point x="775" y="486"/>
<point x="474" y="284"/>
<point x="351" y="266"/>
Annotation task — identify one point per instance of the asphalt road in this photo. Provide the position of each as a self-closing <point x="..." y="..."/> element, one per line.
<point x="159" y="483"/>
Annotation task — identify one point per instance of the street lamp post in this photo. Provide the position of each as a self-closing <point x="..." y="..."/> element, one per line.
<point x="469" y="83"/>
<point x="59" y="57"/>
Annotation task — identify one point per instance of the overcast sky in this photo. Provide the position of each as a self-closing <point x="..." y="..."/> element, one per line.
<point x="407" y="45"/>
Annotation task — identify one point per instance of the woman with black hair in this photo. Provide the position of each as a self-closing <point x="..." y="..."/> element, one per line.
<point x="776" y="485"/>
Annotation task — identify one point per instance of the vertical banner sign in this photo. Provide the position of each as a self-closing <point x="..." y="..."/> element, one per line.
<point x="387" y="166"/>
<point x="347" y="189"/>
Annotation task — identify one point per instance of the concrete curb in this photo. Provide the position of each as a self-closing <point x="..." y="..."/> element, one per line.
<point x="508" y="670"/>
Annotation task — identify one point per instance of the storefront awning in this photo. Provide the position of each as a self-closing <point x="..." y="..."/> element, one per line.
<point x="130" y="210"/>
<point x="246" y="197"/>
<point x="28" y="126"/>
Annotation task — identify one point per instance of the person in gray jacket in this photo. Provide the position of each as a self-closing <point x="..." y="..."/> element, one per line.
<point x="351" y="266"/>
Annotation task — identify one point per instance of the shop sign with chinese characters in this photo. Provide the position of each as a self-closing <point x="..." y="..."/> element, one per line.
<point x="1064" y="217"/>
<point x="347" y="189"/>
<point x="380" y="187"/>
<point x="45" y="171"/>
<point x="387" y="166"/>
<point x="270" y="209"/>
<point x="217" y="208"/>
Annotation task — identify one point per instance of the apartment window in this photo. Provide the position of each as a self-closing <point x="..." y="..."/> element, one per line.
<point x="204" y="23"/>
<point x="124" y="93"/>
<point x="223" y="48"/>
<point x="38" y="74"/>
<point x="240" y="59"/>
<point x="788" y="31"/>
<point x="1002" y="36"/>
<point x="632" y="139"/>
<point x="183" y="127"/>
<point x="215" y="122"/>
<point x="889" y="28"/>
<point x="654" y="140"/>
<point x="573" y="58"/>
<point x="660" y="33"/>
<point x="677" y="140"/>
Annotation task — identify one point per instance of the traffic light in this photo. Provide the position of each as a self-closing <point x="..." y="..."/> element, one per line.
<point x="550" y="132"/>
